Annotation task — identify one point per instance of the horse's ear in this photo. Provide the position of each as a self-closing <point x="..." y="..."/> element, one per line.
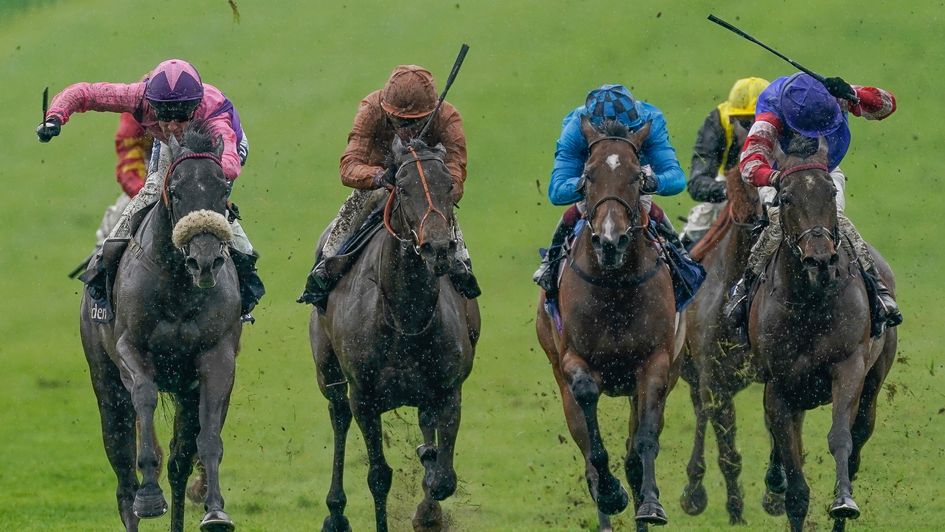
<point x="823" y="151"/>
<point x="218" y="146"/>
<point x="174" y="146"/>
<point x="397" y="148"/>
<point x="640" y="135"/>
<point x="590" y="132"/>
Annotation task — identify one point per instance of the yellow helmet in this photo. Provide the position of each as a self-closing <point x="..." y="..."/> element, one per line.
<point x="744" y="95"/>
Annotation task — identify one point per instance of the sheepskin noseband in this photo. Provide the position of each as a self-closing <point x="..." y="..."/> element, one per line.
<point x="202" y="221"/>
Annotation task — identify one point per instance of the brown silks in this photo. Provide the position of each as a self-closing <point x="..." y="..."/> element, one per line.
<point x="714" y="235"/>
<point x="431" y="209"/>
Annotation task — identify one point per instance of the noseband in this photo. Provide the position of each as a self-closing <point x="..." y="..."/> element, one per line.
<point x="817" y="231"/>
<point x="630" y="211"/>
<point x="417" y="240"/>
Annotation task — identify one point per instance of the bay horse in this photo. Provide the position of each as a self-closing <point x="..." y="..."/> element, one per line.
<point x="618" y="320"/>
<point x="396" y="333"/>
<point x="717" y="363"/>
<point x="809" y="326"/>
<point x="176" y="329"/>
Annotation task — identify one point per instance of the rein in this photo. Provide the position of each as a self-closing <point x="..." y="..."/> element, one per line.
<point x="624" y="283"/>
<point x="173" y="166"/>
<point x="431" y="209"/>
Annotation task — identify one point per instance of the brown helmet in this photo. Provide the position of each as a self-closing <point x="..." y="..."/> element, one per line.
<point x="409" y="92"/>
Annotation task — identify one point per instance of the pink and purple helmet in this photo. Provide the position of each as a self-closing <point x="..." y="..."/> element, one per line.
<point x="808" y="108"/>
<point x="174" y="90"/>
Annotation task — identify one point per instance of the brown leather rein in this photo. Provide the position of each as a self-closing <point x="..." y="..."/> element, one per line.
<point x="389" y="207"/>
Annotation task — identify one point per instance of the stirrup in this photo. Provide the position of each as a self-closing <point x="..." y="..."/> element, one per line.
<point x="247" y="318"/>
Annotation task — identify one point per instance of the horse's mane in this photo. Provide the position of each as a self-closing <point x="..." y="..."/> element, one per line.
<point x="198" y="138"/>
<point x="801" y="146"/>
<point x="613" y="128"/>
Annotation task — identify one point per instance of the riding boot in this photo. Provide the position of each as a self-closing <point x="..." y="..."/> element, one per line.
<point x="461" y="275"/>
<point x="103" y="266"/>
<point x="251" y="286"/>
<point x="737" y="305"/>
<point x="547" y="274"/>
<point x="888" y="314"/>
<point x="317" y="286"/>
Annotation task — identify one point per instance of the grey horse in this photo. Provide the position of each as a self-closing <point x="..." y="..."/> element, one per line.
<point x="396" y="333"/>
<point x="176" y="329"/>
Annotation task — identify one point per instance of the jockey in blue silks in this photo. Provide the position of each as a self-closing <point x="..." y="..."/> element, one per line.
<point x="664" y="175"/>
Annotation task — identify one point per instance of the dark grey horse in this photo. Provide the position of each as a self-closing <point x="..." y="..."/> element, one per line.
<point x="176" y="329"/>
<point x="396" y="333"/>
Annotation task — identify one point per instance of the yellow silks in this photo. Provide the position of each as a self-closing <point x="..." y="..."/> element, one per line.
<point x="741" y="102"/>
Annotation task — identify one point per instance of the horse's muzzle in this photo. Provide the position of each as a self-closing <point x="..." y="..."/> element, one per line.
<point x="438" y="255"/>
<point x="205" y="257"/>
<point x="611" y="252"/>
<point x="821" y="268"/>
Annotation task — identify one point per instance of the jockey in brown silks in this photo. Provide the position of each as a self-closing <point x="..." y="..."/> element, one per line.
<point x="801" y="105"/>
<point x="400" y="108"/>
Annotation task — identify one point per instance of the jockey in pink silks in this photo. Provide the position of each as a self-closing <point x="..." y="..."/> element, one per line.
<point x="164" y="104"/>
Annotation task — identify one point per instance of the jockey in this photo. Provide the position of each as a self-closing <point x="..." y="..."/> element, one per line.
<point x="163" y="105"/>
<point x="664" y="176"/>
<point x="400" y="108"/>
<point x="799" y="104"/>
<point x="714" y="153"/>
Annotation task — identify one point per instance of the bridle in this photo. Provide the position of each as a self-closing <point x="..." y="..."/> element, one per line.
<point x="817" y="231"/>
<point x="630" y="210"/>
<point x="166" y="195"/>
<point x="392" y="204"/>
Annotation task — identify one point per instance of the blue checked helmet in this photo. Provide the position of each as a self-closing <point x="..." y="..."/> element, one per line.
<point x="612" y="102"/>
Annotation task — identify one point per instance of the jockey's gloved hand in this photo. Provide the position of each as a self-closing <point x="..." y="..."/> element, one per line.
<point x="49" y="129"/>
<point x="650" y="184"/>
<point x="840" y="89"/>
<point x="384" y="178"/>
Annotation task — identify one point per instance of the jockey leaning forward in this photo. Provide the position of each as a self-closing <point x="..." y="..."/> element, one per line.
<point x="163" y="106"/>
<point x="799" y="104"/>
<point x="714" y="153"/>
<point x="400" y="108"/>
<point x="664" y="176"/>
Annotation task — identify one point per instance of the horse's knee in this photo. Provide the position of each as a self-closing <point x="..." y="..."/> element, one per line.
<point x="585" y="389"/>
<point x="840" y="440"/>
<point x="730" y="462"/>
<point x="644" y="444"/>
<point x="379" y="479"/>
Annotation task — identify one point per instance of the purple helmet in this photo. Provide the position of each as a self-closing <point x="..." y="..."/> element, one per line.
<point x="174" y="90"/>
<point x="808" y="108"/>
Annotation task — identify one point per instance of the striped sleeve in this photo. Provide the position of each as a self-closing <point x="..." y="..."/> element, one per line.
<point x="758" y="153"/>
<point x="874" y="104"/>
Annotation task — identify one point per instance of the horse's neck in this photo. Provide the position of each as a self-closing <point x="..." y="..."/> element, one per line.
<point x="155" y="237"/>
<point x="408" y="289"/>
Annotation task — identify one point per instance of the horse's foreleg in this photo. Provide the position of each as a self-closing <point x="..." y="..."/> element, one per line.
<point x="448" y="416"/>
<point x="216" y="370"/>
<point x="721" y="410"/>
<point x="183" y="449"/>
<point x="379" y="472"/>
<point x="775" y="480"/>
<point x="340" y="413"/>
<point x="847" y="385"/>
<point x="138" y="375"/>
<point x="694" y="498"/>
<point x="118" y="434"/>
<point x="584" y="390"/>
<point x="651" y="388"/>
<point x="785" y="426"/>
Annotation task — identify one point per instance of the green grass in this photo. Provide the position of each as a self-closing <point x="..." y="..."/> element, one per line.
<point x="296" y="71"/>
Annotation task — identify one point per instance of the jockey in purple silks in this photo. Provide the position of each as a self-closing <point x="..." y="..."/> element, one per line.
<point x="801" y="105"/>
<point x="163" y="105"/>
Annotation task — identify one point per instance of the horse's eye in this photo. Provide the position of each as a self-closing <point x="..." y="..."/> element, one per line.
<point x="785" y="200"/>
<point x="402" y="191"/>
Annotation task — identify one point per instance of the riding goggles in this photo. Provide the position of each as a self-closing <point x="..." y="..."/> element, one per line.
<point x="174" y="111"/>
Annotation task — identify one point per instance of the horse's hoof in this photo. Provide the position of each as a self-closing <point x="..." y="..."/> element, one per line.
<point x="773" y="503"/>
<point x="336" y="524"/>
<point x="844" y="508"/>
<point x="651" y="513"/>
<point x="428" y="517"/>
<point x="149" y="503"/>
<point x="613" y="501"/>
<point x="217" y="521"/>
<point x="694" y="500"/>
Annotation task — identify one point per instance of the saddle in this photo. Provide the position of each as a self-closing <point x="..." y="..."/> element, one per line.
<point x="351" y="248"/>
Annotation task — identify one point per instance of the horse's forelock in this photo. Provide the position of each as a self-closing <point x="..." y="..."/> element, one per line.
<point x="613" y="128"/>
<point x="198" y="138"/>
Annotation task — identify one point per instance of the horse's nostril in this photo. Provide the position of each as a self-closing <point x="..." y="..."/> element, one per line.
<point x="623" y="241"/>
<point x="595" y="240"/>
<point x="191" y="264"/>
<point x="809" y="262"/>
<point x="217" y="263"/>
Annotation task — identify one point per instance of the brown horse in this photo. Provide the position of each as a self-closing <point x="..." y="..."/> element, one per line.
<point x="718" y="364"/>
<point x="810" y="328"/>
<point x="397" y="333"/>
<point x="618" y="318"/>
<point x="176" y="329"/>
